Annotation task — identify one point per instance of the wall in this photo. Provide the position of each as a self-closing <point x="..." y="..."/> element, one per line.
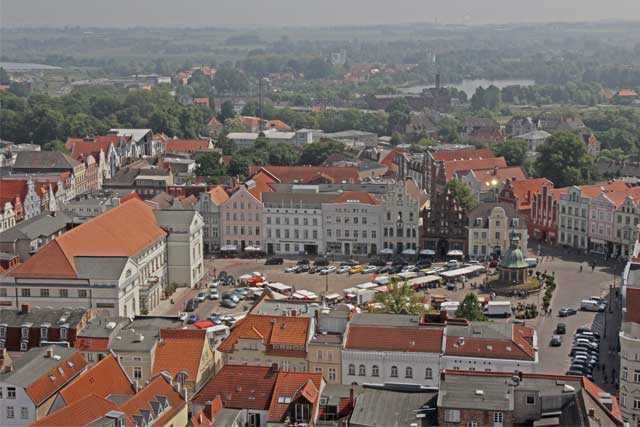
<point x="418" y="362"/>
<point x="21" y="400"/>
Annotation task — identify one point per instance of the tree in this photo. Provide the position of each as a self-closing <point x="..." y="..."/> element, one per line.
<point x="56" y="145"/>
<point x="513" y="150"/>
<point x="564" y="160"/>
<point x="400" y="298"/>
<point x="470" y="308"/>
<point x="230" y="80"/>
<point x="317" y="152"/>
<point x="283" y="155"/>
<point x="462" y="193"/>
<point x="4" y="77"/>
<point x="209" y="165"/>
<point x="239" y="166"/>
<point x="226" y="111"/>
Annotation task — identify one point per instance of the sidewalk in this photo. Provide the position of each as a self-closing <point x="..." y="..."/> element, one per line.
<point x="165" y="308"/>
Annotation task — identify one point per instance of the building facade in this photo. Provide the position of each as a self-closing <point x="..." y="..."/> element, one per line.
<point x="490" y="225"/>
<point x="242" y="220"/>
<point x="208" y="206"/>
<point x="401" y="219"/>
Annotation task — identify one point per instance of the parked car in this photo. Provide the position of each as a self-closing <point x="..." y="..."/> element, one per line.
<point x="423" y="263"/>
<point x="350" y="263"/>
<point x="274" y="261"/>
<point x="321" y="262"/>
<point x="493" y="263"/>
<point x="214" y="284"/>
<point x="191" y="305"/>
<point x="561" y="328"/>
<point x="355" y="269"/>
<point x="409" y="268"/>
<point x="304" y="262"/>
<point x="228" y="280"/>
<point x="215" y="320"/>
<point x="343" y="269"/>
<point x="384" y="269"/>
<point x="213" y="294"/>
<point x="222" y="274"/>
<point x="228" y="303"/>
<point x="566" y="311"/>
<point x="329" y="269"/>
<point x="192" y="319"/>
<point x="292" y="269"/>
<point x="303" y="268"/>
<point x="313" y="269"/>
<point x="452" y="264"/>
<point x="369" y="269"/>
<point x="556" y="341"/>
<point x="201" y="296"/>
<point x="378" y="262"/>
<point x="231" y="296"/>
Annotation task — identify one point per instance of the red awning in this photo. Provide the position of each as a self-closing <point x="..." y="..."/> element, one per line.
<point x="203" y="324"/>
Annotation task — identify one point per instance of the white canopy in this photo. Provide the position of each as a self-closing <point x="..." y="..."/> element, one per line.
<point x="427" y="252"/>
<point x="461" y="271"/>
<point x="252" y="249"/>
<point x="367" y="285"/>
<point x="455" y="252"/>
<point x="229" y="248"/>
<point x="387" y="251"/>
<point x="302" y="294"/>
<point x="409" y="252"/>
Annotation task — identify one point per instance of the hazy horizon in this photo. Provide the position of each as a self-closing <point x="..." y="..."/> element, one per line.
<point x="291" y="13"/>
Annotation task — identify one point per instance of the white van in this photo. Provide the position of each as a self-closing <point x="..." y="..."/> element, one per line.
<point x="589" y="305"/>
<point x="498" y="308"/>
<point x="533" y="262"/>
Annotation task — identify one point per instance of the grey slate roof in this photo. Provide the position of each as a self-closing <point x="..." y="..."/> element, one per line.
<point x="99" y="267"/>
<point x="382" y="319"/>
<point x="391" y="408"/>
<point x="33" y="364"/>
<point x="463" y="391"/>
<point x="44" y="160"/>
<point x="103" y="327"/>
<point x="146" y="326"/>
<point x="44" y="224"/>
<point x="38" y="316"/>
<point x="486" y="330"/>
<point x="276" y="307"/>
<point x="172" y="217"/>
<point x="293" y="200"/>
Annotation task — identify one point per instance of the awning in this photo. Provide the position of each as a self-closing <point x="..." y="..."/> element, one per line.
<point x="387" y="251"/>
<point x="203" y="324"/>
<point x="333" y="296"/>
<point x="427" y="252"/>
<point x="253" y="249"/>
<point x="229" y="248"/>
<point x="409" y="252"/>
<point x="454" y="252"/>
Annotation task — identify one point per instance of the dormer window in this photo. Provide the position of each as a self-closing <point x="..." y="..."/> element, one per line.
<point x="44" y="332"/>
<point x="25" y="333"/>
<point x="478" y="221"/>
<point x="3" y="331"/>
<point x="63" y="333"/>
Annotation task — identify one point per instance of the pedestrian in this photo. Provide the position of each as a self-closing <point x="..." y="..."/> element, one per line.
<point x="580" y="268"/>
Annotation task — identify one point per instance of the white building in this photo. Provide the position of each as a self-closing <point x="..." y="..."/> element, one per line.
<point x="208" y="206"/>
<point x="184" y="245"/>
<point x="534" y="139"/>
<point x="246" y="139"/>
<point x="391" y="355"/>
<point x="353" y="224"/>
<point x="293" y="222"/>
<point x="7" y="217"/>
<point x="30" y="384"/>
<point x="490" y="225"/>
<point x="401" y="219"/>
<point x="629" y="335"/>
<point x="490" y="347"/>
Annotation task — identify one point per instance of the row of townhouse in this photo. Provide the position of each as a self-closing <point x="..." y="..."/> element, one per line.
<point x="382" y="349"/>
<point x="118" y="262"/>
<point x="315" y="219"/>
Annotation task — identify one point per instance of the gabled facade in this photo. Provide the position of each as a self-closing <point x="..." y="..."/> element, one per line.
<point x="208" y="206"/>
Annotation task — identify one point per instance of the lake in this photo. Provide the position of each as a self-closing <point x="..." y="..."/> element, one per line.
<point x="469" y="86"/>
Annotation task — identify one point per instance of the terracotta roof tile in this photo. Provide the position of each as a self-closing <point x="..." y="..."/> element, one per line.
<point x="626" y="93"/>
<point x="386" y="338"/>
<point x="594" y="391"/>
<point x="179" y="350"/>
<point x="453" y="166"/>
<point x="274" y="330"/>
<point x="456" y="155"/>
<point x="306" y="174"/>
<point x="78" y="414"/>
<point x="187" y="145"/>
<point x="260" y="183"/>
<point x="43" y="388"/>
<point x="618" y="197"/>
<point x="277" y="124"/>
<point x="81" y="148"/>
<point x="215" y="122"/>
<point x="517" y="348"/>
<point x="122" y="231"/>
<point x="388" y="159"/>
<point x="103" y="379"/>
<point x="293" y="385"/>
<point x="357" y="197"/>
<point x="218" y="195"/>
<point x="500" y="174"/>
<point x="240" y="387"/>
<point x="594" y="190"/>
<point x="142" y="401"/>
<point x="12" y="188"/>
<point x="533" y="186"/>
<point x="633" y="305"/>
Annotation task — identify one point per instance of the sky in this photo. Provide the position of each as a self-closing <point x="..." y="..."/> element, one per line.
<point x="198" y="13"/>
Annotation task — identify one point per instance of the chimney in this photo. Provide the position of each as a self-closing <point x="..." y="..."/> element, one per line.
<point x="49" y="353"/>
<point x="216" y="406"/>
<point x="274" y="367"/>
<point x="520" y="375"/>
<point x="442" y="376"/>
<point x="591" y="412"/>
<point x="25" y="309"/>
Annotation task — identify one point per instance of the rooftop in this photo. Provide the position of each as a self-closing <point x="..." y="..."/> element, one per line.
<point x="39" y="316"/>
<point x="180" y="350"/>
<point x="391" y="408"/>
<point x="142" y="333"/>
<point x="289" y="387"/>
<point x="388" y="338"/>
<point x="310" y="174"/>
<point x="56" y="160"/>
<point x="44" y="224"/>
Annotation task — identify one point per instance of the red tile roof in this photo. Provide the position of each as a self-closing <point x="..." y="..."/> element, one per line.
<point x="594" y="190"/>
<point x="307" y="174"/>
<point x="240" y="387"/>
<point x="633" y="305"/>
<point x="517" y="348"/>
<point x="123" y="231"/>
<point x="187" y="145"/>
<point x="142" y="401"/>
<point x="259" y="183"/>
<point x="453" y="166"/>
<point x="103" y="379"/>
<point x="80" y="413"/>
<point x="250" y="121"/>
<point x="457" y="155"/>
<point x="533" y="186"/>
<point x="81" y="148"/>
<point x="294" y="385"/>
<point x="201" y="101"/>
<point x="626" y="93"/>
<point x="12" y="188"/>
<point x="388" y="159"/>
<point x="214" y="122"/>
<point x="618" y="197"/>
<point x="594" y="391"/>
<point x="500" y="174"/>
<point x="218" y="195"/>
<point x="357" y="197"/>
<point x="180" y="350"/>
<point x="43" y="388"/>
<point x="386" y="338"/>
<point x="277" y="124"/>
<point x="273" y="330"/>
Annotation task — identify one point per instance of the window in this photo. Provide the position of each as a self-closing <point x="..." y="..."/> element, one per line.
<point x="3" y="331"/>
<point x="137" y="372"/>
<point x="428" y="374"/>
<point x="408" y="372"/>
<point x="24" y="346"/>
<point x="623" y="399"/>
<point x="636" y="404"/>
<point x="498" y="418"/>
<point x="24" y="413"/>
<point x="472" y="424"/>
<point x="531" y="399"/>
<point x="362" y="371"/>
<point x="25" y="292"/>
<point x="253" y="420"/>
<point x="44" y="292"/>
<point x="319" y="355"/>
<point x="44" y="332"/>
<point x="352" y="369"/>
<point x="394" y="372"/>
<point x="10" y="413"/>
<point x="3" y="293"/>
<point x="332" y="374"/>
<point x="301" y="412"/>
<point x="625" y="373"/>
<point x="636" y="376"/>
<point x="11" y="392"/>
<point x="452" y="416"/>
<point x="64" y="293"/>
<point x="375" y="372"/>
<point x="82" y="293"/>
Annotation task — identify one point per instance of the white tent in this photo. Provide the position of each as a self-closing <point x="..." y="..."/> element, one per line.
<point x="229" y="248"/>
<point x="387" y="251"/>
<point x="427" y="252"/>
<point x="252" y="249"/>
<point x="409" y="252"/>
<point x="455" y="252"/>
